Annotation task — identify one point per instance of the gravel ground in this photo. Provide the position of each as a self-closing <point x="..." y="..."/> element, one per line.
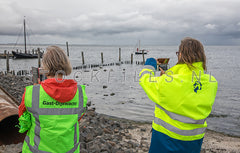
<point x="106" y="134"/>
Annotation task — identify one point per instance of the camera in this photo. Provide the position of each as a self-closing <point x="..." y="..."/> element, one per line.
<point x="163" y="63"/>
<point x="38" y="73"/>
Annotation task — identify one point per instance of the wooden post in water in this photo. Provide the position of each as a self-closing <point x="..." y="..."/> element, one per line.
<point x="39" y="60"/>
<point x="132" y="58"/>
<point x="7" y="62"/>
<point x="82" y="58"/>
<point x="143" y="57"/>
<point x="102" y="57"/>
<point x="119" y="54"/>
<point x="67" y="49"/>
<point x="5" y="52"/>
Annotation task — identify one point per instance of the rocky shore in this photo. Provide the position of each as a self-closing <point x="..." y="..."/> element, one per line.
<point x="14" y="85"/>
<point x="105" y="134"/>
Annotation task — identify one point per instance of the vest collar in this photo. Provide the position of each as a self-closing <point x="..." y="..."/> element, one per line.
<point x="186" y="69"/>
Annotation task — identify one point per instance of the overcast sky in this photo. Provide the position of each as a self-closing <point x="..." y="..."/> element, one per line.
<point x="121" y="22"/>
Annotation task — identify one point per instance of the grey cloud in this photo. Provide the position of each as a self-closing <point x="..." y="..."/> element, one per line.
<point x="156" y="21"/>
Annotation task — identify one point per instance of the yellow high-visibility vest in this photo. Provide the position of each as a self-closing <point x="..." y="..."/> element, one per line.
<point x="184" y="96"/>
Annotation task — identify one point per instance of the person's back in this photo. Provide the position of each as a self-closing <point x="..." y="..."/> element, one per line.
<point x="184" y="96"/>
<point x="54" y="107"/>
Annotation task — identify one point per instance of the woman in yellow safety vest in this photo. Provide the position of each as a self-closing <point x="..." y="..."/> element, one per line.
<point x="50" y="111"/>
<point x="183" y="97"/>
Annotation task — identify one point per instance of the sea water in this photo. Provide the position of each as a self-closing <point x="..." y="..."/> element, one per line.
<point x="115" y="90"/>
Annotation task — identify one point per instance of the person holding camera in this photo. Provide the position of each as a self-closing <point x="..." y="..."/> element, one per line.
<point x="50" y="111"/>
<point x="183" y="98"/>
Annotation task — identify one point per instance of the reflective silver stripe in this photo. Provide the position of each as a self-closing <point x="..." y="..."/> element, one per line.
<point x="55" y="111"/>
<point x="74" y="148"/>
<point x="177" y="130"/>
<point x="181" y="118"/>
<point x="81" y="109"/>
<point x="149" y="67"/>
<point x="75" y="133"/>
<point x="33" y="149"/>
<point x="36" y="111"/>
<point x="145" y="72"/>
<point x="35" y="105"/>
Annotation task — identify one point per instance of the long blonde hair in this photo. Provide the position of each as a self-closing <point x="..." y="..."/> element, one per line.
<point x="55" y="60"/>
<point x="190" y="51"/>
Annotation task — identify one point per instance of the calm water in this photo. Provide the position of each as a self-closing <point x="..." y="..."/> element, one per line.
<point x="124" y="97"/>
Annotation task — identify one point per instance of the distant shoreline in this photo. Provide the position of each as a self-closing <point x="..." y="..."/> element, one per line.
<point x="110" y="45"/>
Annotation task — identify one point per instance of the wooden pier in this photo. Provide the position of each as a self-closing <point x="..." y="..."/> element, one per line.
<point x="140" y="60"/>
<point x="4" y="55"/>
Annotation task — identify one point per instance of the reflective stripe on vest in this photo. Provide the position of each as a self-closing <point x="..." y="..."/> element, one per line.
<point x="181" y="118"/>
<point x="146" y="72"/>
<point x="152" y="69"/>
<point x="36" y="111"/>
<point x="177" y="130"/>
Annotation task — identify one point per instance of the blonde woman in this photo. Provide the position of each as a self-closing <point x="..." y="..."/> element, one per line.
<point x="183" y="98"/>
<point x="50" y="111"/>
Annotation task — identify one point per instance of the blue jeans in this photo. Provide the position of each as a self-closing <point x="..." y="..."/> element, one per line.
<point x="161" y="143"/>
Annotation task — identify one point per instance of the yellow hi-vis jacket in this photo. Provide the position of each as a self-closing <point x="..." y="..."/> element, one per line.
<point x="184" y="96"/>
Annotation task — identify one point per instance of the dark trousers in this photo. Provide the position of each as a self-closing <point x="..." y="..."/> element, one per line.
<point x="161" y="143"/>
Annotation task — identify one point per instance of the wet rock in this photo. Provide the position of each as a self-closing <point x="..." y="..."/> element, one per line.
<point x="143" y="138"/>
<point x="116" y="130"/>
<point x="104" y="86"/>
<point x="112" y="94"/>
<point x="203" y="150"/>
<point x="83" y="145"/>
<point x="107" y="130"/>
<point x="93" y="148"/>
<point x="91" y="113"/>
<point x="99" y="131"/>
<point x="144" y="144"/>
<point x="105" y="95"/>
<point x="112" y="143"/>
<point x="89" y="137"/>
<point x="128" y="136"/>
<point x="83" y="150"/>
<point x="89" y="103"/>
<point x="105" y="148"/>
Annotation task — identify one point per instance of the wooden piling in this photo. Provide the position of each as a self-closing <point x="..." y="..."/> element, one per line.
<point x="143" y="57"/>
<point x="67" y="49"/>
<point x="131" y="58"/>
<point x="102" y="57"/>
<point x="5" y="52"/>
<point x="119" y="54"/>
<point x="7" y="62"/>
<point x="39" y="60"/>
<point x="83" y="59"/>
